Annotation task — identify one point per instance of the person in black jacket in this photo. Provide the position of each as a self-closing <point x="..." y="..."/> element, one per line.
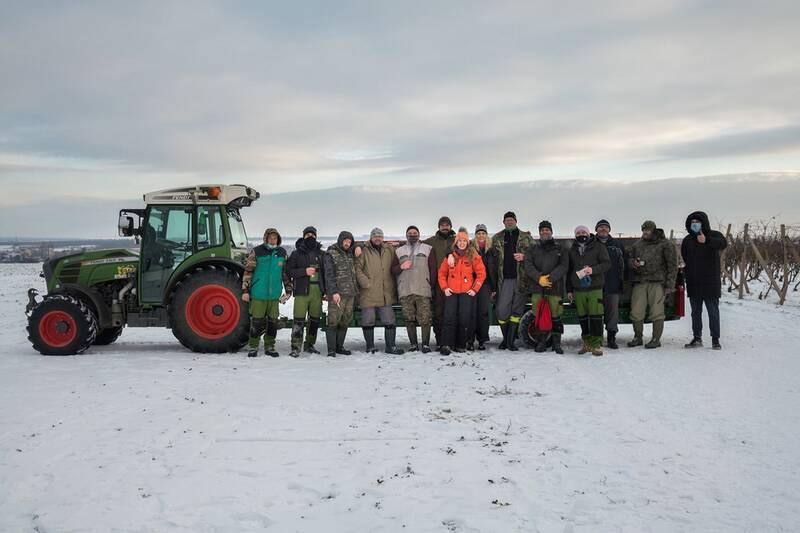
<point x="305" y="271"/>
<point x="700" y="250"/>
<point x="480" y="320"/>
<point x="614" y="277"/>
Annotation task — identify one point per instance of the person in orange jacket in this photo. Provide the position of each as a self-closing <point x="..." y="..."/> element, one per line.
<point x="460" y="283"/>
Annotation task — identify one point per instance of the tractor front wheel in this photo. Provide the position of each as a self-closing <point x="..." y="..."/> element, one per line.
<point x="206" y="311"/>
<point x="61" y="325"/>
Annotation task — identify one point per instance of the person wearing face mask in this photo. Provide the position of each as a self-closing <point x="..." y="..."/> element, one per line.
<point x="442" y="244"/>
<point x="341" y="288"/>
<point x="416" y="276"/>
<point x="512" y="284"/>
<point x="377" y="291"/>
<point x="700" y="250"/>
<point x="460" y="284"/>
<point x="654" y="265"/>
<point x="265" y="278"/>
<point x="588" y="263"/>
<point x="613" y="282"/>
<point x="546" y="265"/>
<point x="304" y="265"/>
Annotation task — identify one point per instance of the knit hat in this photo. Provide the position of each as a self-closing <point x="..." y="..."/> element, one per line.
<point x="481" y="227"/>
<point x="602" y="222"/>
<point x="445" y="220"/>
<point x="376" y="232"/>
<point x="310" y="229"/>
<point x="510" y="214"/>
<point x="649" y="225"/>
<point x="412" y="227"/>
<point x="545" y="224"/>
<point x="581" y="229"/>
<point x="462" y="234"/>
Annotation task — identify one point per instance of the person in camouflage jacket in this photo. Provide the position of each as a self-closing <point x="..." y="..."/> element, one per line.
<point x="341" y="288"/>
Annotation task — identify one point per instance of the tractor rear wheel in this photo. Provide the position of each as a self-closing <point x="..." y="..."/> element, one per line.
<point x="61" y="325"/>
<point x="206" y="311"/>
<point x="107" y="336"/>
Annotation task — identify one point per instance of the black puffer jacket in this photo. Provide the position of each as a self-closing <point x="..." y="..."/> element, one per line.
<point x="302" y="258"/>
<point x="702" y="270"/>
<point x="543" y="259"/>
<point x="615" y="274"/>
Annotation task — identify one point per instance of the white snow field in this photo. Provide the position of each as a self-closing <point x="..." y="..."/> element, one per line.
<point x="145" y="436"/>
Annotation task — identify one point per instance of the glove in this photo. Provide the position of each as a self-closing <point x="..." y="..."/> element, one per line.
<point x="544" y="281"/>
<point x="586" y="281"/>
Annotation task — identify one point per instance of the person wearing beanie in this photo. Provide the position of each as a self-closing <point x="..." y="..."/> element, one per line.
<point x="442" y="244"/>
<point x="588" y="263"/>
<point x="304" y="265"/>
<point x="416" y="270"/>
<point x="265" y="278"/>
<point x="700" y="250"/>
<point x="613" y="280"/>
<point x="512" y="284"/>
<point x="546" y="264"/>
<point x="460" y="284"/>
<point x="341" y="288"/>
<point x="479" y="330"/>
<point x="654" y="265"/>
<point x="377" y="291"/>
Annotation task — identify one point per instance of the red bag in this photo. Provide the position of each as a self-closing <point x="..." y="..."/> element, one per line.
<point x="542" y="319"/>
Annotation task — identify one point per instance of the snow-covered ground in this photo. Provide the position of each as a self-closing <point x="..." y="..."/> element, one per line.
<point x="144" y="436"/>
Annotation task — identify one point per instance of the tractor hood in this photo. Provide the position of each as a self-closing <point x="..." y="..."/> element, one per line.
<point x="119" y="263"/>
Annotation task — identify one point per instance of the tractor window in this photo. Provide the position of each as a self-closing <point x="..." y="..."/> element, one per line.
<point x="238" y="236"/>
<point x="166" y="243"/>
<point x="209" y="227"/>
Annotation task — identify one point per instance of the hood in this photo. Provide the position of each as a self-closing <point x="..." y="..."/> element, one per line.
<point x="702" y="217"/>
<point x="272" y="230"/>
<point x="345" y="235"/>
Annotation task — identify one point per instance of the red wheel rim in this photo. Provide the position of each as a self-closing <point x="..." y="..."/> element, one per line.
<point x="58" y="329"/>
<point x="213" y="312"/>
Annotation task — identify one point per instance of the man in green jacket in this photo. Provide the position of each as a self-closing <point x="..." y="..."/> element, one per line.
<point x="654" y="263"/>
<point x="265" y="278"/>
<point x="588" y="263"/>
<point x="546" y="264"/>
<point x="442" y="244"/>
<point x="512" y="284"/>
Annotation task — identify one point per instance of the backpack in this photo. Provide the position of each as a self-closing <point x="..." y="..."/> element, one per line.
<point x="542" y="319"/>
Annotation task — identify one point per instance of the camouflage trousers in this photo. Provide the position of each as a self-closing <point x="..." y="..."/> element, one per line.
<point x="417" y="310"/>
<point x="339" y="316"/>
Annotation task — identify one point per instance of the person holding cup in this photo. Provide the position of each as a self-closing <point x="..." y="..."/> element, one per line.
<point x="588" y="262"/>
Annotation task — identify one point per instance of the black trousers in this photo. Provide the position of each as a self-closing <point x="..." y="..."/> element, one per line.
<point x="479" y="330"/>
<point x="458" y="310"/>
<point x="712" y="307"/>
<point x="438" y="313"/>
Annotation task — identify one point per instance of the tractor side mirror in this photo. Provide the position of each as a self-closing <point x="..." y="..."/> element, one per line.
<point x="126" y="227"/>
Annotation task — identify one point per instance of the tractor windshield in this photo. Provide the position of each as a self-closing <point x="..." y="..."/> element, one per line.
<point x="238" y="235"/>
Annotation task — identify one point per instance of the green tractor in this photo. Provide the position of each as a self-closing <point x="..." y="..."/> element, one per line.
<point x="186" y="276"/>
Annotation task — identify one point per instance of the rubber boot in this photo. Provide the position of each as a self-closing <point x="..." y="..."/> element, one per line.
<point x="298" y="327"/>
<point x="311" y="336"/>
<point x="557" y="344"/>
<point x="511" y="342"/>
<point x="541" y="344"/>
<point x="369" y="338"/>
<point x="341" y="333"/>
<point x="253" y="352"/>
<point x="638" y="332"/>
<point x="504" y="344"/>
<point x="330" y="337"/>
<point x="658" y="330"/>
<point x="612" y="340"/>
<point x="426" y="339"/>
<point x="390" y="332"/>
<point x="411" y="329"/>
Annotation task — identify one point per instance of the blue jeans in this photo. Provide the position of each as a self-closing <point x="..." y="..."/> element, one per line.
<point x="712" y="308"/>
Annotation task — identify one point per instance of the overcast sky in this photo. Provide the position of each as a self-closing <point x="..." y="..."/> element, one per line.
<point x="103" y="101"/>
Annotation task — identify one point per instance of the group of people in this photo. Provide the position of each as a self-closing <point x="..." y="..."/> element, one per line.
<point x="447" y="282"/>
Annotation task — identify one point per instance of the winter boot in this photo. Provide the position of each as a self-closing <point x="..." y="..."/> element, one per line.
<point x="612" y="340"/>
<point x="638" y="332"/>
<point x="695" y="343"/>
<point x="369" y="338"/>
<point x="481" y="346"/>
<point x="504" y="330"/>
<point x="341" y="333"/>
<point x="411" y="329"/>
<point x="541" y="344"/>
<point x="715" y="345"/>
<point x="426" y="339"/>
<point x="585" y="348"/>
<point x="658" y="330"/>
<point x="298" y="327"/>
<point x="253" y="352"/>
<point x="557" y="344"/>
<point x="444" y="350"/>
<point x="597" y="351"/>
<point x="330" y="338"/>
<point x="390" y="332"/>
<point x="511" y="343"/>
